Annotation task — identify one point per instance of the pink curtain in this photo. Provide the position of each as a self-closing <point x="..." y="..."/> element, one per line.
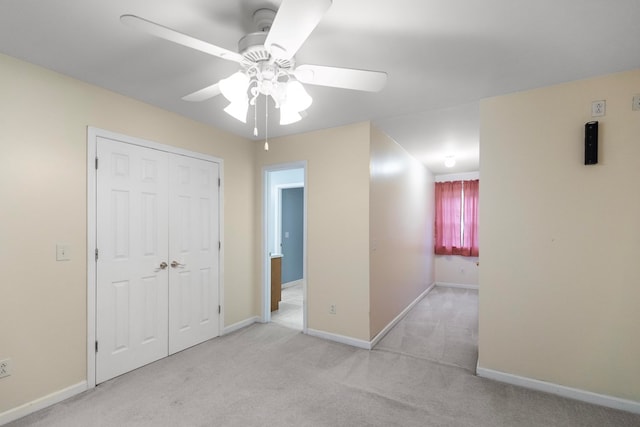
<point x="470" y="230"/>
<point x="448" y="209"/>
<point x="453" y="214"/>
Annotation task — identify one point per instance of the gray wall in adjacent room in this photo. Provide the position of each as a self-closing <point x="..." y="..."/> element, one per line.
<point x="292" y="230"/>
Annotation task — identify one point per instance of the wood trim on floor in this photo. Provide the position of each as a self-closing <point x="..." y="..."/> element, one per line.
<point x="560" y="390"/>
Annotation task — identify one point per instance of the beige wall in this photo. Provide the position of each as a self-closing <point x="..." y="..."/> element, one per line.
<point x="457" y="270"/>
<point x="337" y="223"/>
<point x="560" y="240"/>
<point x="43" y="120"/>
<point x="401" y="230"/>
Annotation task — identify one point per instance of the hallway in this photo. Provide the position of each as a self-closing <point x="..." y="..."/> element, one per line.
<point x="441" y="328"/>
<point x="290" y="312"/>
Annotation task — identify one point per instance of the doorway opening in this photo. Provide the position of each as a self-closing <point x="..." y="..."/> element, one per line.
<point x="284" y="254"/>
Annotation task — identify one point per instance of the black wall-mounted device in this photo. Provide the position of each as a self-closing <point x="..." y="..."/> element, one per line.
<point x="591" y="143"/>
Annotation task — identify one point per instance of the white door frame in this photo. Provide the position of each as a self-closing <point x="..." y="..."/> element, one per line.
<point x="92" y="135"/>
<point x="266" y="259"/>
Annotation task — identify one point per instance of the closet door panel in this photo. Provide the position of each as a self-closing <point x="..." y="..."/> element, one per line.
<point x="193" y="251"/>
<point x="132" y="237"/>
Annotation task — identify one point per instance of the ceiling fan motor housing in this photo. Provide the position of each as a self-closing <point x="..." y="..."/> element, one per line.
<point x="251" y="46"/>
<point x="252" y="49"/>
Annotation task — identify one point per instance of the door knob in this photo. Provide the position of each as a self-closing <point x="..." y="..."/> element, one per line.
<point x="176" y="264"/>
<point x="163" y="265"/>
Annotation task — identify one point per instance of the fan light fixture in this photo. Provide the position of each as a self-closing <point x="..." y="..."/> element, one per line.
<point x="288" y="115"/>
<point x="267" y="62"/>
<point x="234" y="87"/>
<point x="265" y="79"/>
<point x="238" y="109"/>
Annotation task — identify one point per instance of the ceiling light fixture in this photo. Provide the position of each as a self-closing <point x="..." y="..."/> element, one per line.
<point x="238" y="110"/>
<point x="266" y="58"/>
<point x="270" y="80"/>
<point x="449" y="161"/>
<point x="289" y="115"/>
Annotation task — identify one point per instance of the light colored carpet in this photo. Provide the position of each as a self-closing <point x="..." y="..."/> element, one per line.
<point x="442" y="328"/>
<point x="269" y="375"/>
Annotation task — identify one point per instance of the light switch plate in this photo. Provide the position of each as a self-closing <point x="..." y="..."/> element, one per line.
<point x="63" y="252"/>
<point x="636" y="103"/>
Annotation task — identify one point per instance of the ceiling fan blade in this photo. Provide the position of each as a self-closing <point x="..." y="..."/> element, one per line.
<point x="346" y="78"/>
<point x="295" y="20"/>
<point x="203" y="94"/>
<point x="166" y="33"/>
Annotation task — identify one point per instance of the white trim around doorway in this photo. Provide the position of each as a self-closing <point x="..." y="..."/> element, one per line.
<point x="266" y="264"/>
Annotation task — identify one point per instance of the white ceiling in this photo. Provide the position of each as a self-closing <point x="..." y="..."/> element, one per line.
<point x="442" y="57"/>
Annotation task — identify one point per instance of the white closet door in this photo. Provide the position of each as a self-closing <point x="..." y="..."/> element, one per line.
<point x="193" y="252"/>
<point x="132" y="236"/>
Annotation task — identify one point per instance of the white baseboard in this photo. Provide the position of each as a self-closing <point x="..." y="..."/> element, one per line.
<point x="399" y="317"/>
<point x="368" y="345"/>
<point x="457" y="285"/>
<point x="560" y="390"/>
<point x="339" y="338"/>
<point x="41" y="403"/>
<point x="242" y="324"/>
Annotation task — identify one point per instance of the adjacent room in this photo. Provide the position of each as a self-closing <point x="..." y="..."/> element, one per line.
<point x="316" y="212"/>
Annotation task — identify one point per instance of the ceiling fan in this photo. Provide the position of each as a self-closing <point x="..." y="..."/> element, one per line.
<point x="267" y="63"/>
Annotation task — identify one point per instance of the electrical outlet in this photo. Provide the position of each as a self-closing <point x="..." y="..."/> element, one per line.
<point x="5" y="368"/>
<point x="636" y="103"/>
<point x="332" y="309"/>
<point x="598" y="108"/>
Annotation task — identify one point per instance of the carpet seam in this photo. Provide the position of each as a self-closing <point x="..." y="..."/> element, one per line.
<point x="426" y="359"/>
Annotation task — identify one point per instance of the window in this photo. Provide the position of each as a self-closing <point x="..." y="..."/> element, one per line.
<point x="456" y="227"/>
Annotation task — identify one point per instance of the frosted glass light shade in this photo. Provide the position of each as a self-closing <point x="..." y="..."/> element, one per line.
<point x="235" y="86"/>
<point x="279" y="94"/>
<point x="297" y="97"/>
<point x="288" y="115"/>
<point x="238" y="109"/>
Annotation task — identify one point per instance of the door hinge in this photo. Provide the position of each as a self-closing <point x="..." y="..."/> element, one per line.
<point x="219" y="309"/>
<point x="219" y="245"/>
<point x="96" y="254"/>
<point x="218" y="182"/>
<point x="96" y="346"/>
<point x="96" y="163"/>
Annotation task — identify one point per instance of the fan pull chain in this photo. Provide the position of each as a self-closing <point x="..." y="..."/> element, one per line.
<point x="255" y="119"/>
<point x="266" y="123"/>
